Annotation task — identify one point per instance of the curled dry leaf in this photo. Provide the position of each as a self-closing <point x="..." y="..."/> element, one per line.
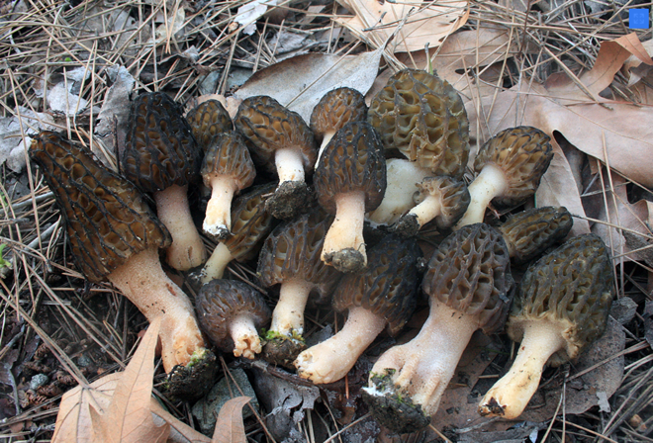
<point x="229" y="426"/>
<point x="420" y="23"/>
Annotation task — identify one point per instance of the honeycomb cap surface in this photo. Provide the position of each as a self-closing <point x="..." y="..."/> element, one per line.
<point x="227" y="154"/>
<point x="207" y="120"/>
<point x="337" y="108"/>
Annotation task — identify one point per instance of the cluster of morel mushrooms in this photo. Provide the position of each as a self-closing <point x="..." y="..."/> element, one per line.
<point x="352" y="191"/>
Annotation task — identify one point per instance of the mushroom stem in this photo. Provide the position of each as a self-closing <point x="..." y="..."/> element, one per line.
<point x="214" y="268"/>
<point x="346" y="231"/>
<point x="510" y="395"/>
<point x="245" y="336"/>
<point x="424" y="366"/>
<point x="142" y="280"/>
<point x="360" y="329"/>
<point x="427" y="210"/>
<point x="288" y="316"/>
<point x="187" y="250"/>
<point x="490" y="183"/>
<point x="217" y="220"/>
<point x="325" y="141"/>
<point x="290" y="167"/>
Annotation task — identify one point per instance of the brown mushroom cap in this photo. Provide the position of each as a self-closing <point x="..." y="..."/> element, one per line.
<point x="107" y="219"/>
<point x="424" y="118"/>
<point x="523" y="154"/>
<point x="388" y="285"/>
<point x="353" y="161"/>
<point x="226" y="154"/>
<point x="335" y="109"/>
<point x="573" y="286"/>
<point x="219" y="302"/>
<point x="469" y="272"/>
<point x="160" y="150"/>
<point x="529" y="233"/>
<point x="207" y="120"/>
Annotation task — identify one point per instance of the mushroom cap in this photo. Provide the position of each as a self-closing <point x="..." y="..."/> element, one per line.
<point x="528" y="233"/>
<point x="107" y="219"/>
<point x="424" y="118"/>
<point x="335" y="109"/>
<point x="573" y="286"/>
<point x="469" y="272"/>
<point x="523" y="154"/>
<point x="251" y="223"/>
<point x="353" y="160"/>
<point x="226" y="154"/>
<point x="292" y="250"/>
<point x="160" y="150"/>
<point x="220" y="301"/>
<point x="388" y="287"/>
<point x="269" y="126"/>
<point x="207" y="120"/>
<point x="454" y="197"/>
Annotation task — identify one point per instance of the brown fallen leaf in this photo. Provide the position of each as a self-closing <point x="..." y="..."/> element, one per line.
<point x="420" y="23"/>
<point x="229" y="426"/>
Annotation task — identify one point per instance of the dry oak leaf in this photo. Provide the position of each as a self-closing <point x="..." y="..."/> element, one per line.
<point x="120" y="406"/>
<point x="229" y="426"/>
<point x="421" y="23"/>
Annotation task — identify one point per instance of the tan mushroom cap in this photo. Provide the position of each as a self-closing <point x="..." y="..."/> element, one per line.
<point x="227" y="154"/>
<point x="470" y="273"/>
<point x="207" y="120"/>
<point x="529" y="233"/>
<point x="571" y="286"/>
<point x="335" y="109"/>
<point x="107" y="219"/>
<point x="424" y="118"/>
<point x="523" y="154"/>
<point x="160" y="150"/>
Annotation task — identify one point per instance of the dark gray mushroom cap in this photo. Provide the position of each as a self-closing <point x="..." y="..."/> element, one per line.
<point x="221" y="301"/>
<point x="529" y="233"/>
<point x="424" y="118"/>
<point x="292" y="250"/>
<point x="107" y="219"/>
<point x="226" y="154"/>
<point x="269" y="126"/>
<point x="469" y="272"/>
<point x="352" y="161"/>
<point x="207" y="120"/>
<point x="337" y="108"/>
<point x="388" y="285"/>
<point x="572" y="285"/>
<point x="523" y="154"/>
<point x="160" y="150"/>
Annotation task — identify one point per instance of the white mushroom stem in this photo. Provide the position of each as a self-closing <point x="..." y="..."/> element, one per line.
<point x="288" y="316"/>
<point x="511" y="393"/>
<point x="346" y="231"/>
<point x="490" y="183"/>
<point x="146" y="285"/>
<point x="330" y="360"/>
<point x="425" y="365"/>
<point x="289" y="164"/>
<point x="215" y="267"/>
<point x="325" y="141"/>
<point x="218" y="220"/>
<point x="427" y="210"/>
<point x="402" y="177"/>
<point x="245" y="336"/>
<point x="187" y="250"/>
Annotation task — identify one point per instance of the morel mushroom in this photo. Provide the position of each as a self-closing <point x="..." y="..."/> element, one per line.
<point x="207" y="120"/>
<point x="115" y="236"/>
<point x="469" y="285"/>
<point x="231" y="313"/>
<point x="251" y="223"/>
<point x="290" y="256"/>
<point x="283" y="142"/>
<point x="227" y="169"/>
<point x="383" y="295"/>
<point x="509" y="167"/>
<point x="161" y="157"/>
<point x="529" y="233"/>
<point x="562" y="307"/>
<point x="350" y="180"/>
<point x="335" y="109"/>
<point x="423" y="118"/>
<point x="444" y="200"/>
